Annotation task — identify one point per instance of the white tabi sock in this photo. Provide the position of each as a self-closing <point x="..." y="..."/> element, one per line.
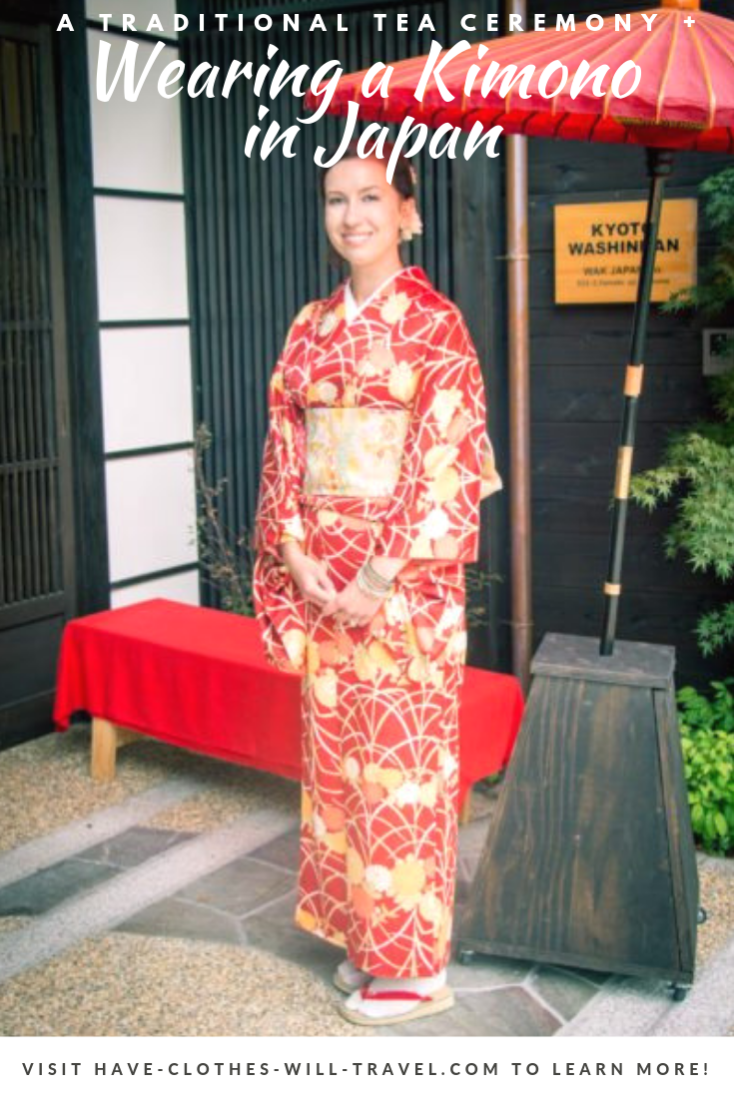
<point x="351" y="975"/>
<point x="380" y="1010"/>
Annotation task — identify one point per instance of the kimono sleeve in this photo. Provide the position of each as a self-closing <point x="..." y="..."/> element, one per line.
<point x="278" y="516"/>
<point x="448" y="463"/>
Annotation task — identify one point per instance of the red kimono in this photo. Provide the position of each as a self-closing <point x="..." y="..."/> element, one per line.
<point x="377" y="446"/>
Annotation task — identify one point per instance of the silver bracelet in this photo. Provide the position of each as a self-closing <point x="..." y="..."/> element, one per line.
<point x="371" y="583"/>
<point x="375" y="577"/>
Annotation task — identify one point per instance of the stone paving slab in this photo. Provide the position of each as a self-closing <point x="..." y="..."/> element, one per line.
<point x="471" y="839"/>
<point x="39" y="893"/>
<point x="283" y="851"/>
<point x="487" y="972"/>
<point x="563" y="991"/>
<point x="51" y="848"/>
<point x="507" y="1012"/>
<point x="177" y="919"/>
<point x="273" y="930"/>
<point x="130" y="891"/>
<point x="625" y="1006"/>
<point x="709" y="1007"/>
<point x="135" y="846"/>
<point x="243" y="886"/>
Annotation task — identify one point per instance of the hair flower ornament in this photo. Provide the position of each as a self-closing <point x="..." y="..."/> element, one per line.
<point x="411" y="227"/>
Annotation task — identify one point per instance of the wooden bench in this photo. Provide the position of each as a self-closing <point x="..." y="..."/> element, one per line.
<point x="198" y="678"/>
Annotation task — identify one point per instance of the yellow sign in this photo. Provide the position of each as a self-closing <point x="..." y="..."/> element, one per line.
<point x="598" y="250"/>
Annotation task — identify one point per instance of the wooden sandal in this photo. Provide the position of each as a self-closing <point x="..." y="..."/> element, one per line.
<point x="427" y="1004"/>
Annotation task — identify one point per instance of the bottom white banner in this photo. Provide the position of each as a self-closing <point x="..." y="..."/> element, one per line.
<point x="258" y="1066"/>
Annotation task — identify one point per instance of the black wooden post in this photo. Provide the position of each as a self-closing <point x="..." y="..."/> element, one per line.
<point x="660" y="165"/>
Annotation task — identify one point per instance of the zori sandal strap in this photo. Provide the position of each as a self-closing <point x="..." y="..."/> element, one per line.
<point x="393" y="995"/>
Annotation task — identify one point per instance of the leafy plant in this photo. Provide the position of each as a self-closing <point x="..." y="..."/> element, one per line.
<point x="477" y="584"/>
<point x="707" y="738"/>
<point x="698" y="463"/>
<point x="715" y="290"/>
<point x="226" y="558"/>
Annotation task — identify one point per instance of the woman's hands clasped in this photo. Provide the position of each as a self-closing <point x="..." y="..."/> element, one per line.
<point x="353" y="607"/>
<point x="311" y="576"/>
<point x="350" y="607"/>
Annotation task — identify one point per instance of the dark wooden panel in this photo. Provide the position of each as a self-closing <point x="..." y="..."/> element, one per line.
<point x="682" y="855"/>
<point x="576" y="169"/>
<point x="607" y="322"/>
<point x="42" y="357"/>
<point x="571" y="393"/>
<point x="646" y="567"/>
<point x="89" y="521"/>
<point x="567" y="512"/>
<point x="575" y="657"/>
<point x="568" y="873"/>
<point x="589" y="450"/>
<point x="26" y="719"/>
<point x="29" y="660"/>
<point x="603" y="349"/>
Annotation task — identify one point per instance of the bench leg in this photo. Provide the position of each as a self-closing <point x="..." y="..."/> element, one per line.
<point x="106" y="739"/>
<point x="465" y="813"/>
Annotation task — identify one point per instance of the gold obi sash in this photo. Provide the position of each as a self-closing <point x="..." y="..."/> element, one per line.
<point x="354" y="451"/>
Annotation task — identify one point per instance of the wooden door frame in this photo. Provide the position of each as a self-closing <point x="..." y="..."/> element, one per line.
<point x="73" y="206"/>
<point x="75" y="339"/>
<point x="82" y="313"/>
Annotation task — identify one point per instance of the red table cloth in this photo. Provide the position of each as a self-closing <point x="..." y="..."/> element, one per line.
<point x="198" y="678"/>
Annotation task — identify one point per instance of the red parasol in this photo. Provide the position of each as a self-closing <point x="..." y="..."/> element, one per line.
<point x="684" y="100"/>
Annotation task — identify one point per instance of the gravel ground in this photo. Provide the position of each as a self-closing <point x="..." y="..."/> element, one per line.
<point x="57" y="768"/>
<point x="136" y="985"/>
<point x="716" y="878"/>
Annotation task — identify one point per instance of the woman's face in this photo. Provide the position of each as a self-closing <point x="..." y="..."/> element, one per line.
<point x="364" y="213"/>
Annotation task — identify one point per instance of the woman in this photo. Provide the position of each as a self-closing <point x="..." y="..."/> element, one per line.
<point x="374" y="465"/>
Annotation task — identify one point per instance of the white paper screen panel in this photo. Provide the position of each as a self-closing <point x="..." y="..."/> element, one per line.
<point x="135" y="145"/>
<point x="183" y="587"/>
<point x="150" y="513"/>
<point x="146" y="387"/>
<point x="141" y="259"/>
<point x="141" y="9"/>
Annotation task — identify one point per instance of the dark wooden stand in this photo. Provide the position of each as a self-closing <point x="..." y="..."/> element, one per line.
<point x="590" y="859"/>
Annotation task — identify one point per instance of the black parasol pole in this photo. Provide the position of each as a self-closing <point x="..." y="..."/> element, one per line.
<point x="659" y="166"/>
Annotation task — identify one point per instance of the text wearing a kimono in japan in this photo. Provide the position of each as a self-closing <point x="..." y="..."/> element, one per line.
<point x="377" y="445"/>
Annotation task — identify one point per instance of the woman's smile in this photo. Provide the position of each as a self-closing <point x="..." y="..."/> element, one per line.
<point x="363" y="217"/>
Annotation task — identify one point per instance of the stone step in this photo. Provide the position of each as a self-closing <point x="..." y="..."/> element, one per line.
<point x="71" y="839"/>
<point x="110" y="903"/>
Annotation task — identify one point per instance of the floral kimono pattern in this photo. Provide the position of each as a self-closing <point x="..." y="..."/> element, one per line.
<point x="377" y="446"/>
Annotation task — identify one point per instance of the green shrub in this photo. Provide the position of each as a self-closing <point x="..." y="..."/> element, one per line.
<point x="707" y="737"/>
<point x="697" y="471"/>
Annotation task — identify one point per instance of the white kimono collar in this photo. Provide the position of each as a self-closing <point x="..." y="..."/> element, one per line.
<point x="352" y="307"/>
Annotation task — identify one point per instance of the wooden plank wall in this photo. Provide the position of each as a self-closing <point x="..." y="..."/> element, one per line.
<point x="578" y="357"/>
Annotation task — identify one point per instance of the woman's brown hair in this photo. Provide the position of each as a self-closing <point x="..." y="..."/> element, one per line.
<point x="403" y="179"/>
